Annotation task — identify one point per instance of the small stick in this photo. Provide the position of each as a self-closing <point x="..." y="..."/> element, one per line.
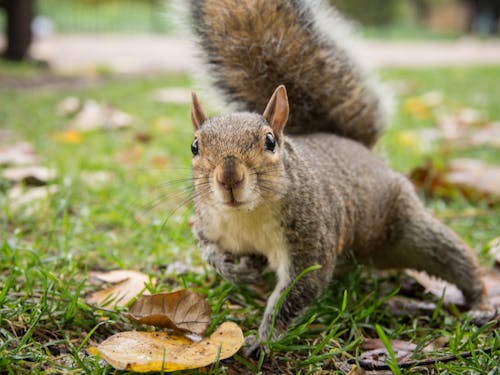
<point x="368" y="365"/>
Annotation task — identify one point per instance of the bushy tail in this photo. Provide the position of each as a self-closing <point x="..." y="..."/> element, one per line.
<point x="252" y="46"/>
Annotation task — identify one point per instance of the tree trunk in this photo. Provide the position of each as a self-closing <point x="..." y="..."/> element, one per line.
<point x="19" y="16"/>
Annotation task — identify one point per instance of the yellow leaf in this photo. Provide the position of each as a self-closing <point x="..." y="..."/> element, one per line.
<point x="68" y="136"/>
<point x="407" y="139"/>
<point x="161" y="351"/>
<point x="417" y="108"/>
<point x="163" y="124"/>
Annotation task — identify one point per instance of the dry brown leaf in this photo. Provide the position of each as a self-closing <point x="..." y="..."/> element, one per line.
<point x="20" y="197"/>
<point x="488" y="135"/>
<point x="471" y="178"/>
<point x="163" y="124"/>
<point x="474" y="174"/>
<point x="129" y="157"/>
<point x="31" y="175"/>
<point x="21" y="153"/>
<point x="183" y="310"/>
<point x="355" y="370"/>
<point x="68" y="106"/>
<point x="95" y="116"/>
<point x="494" y="250"/>
<point x="491" y="278"/>
<point x="127" y="285"/>
<point x="438" y="287"/>
<point x="96" y="179"/>
<point x="436" y="344"/>
<point x="371" y="344"/>
<point x="161" y="351"/>
<point x="379" y="357"/>
<point x="468" y="128"/>
<point x="410" y="307"/>
<point x="435" y="286"/>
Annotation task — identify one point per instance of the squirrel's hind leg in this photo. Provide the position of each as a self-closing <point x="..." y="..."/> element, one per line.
<point x="419" y="241"/>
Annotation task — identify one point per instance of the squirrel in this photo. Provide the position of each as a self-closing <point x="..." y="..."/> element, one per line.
<point x="291" y="182"/>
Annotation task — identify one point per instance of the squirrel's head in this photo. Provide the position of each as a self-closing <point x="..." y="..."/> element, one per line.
<point x="237" y="158"/>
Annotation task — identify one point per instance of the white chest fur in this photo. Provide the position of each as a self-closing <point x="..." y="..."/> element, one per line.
<point x="242" y="232"/>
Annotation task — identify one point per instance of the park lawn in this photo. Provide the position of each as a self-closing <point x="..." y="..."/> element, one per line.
<point x="135" y="219"/>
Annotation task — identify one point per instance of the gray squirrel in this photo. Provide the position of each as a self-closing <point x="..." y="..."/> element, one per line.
<point x="290" y="182"/>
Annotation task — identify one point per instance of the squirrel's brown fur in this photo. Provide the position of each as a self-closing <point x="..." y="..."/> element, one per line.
<point x="254" y="45"/>
<point x="265" y="198"/>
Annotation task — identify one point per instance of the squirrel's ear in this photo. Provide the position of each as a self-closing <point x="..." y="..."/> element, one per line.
<point x="197" y="114"/>
<point x="276" y="112"/>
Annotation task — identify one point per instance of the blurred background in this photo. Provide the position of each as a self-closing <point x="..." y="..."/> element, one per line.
<point x="28" y="22"/>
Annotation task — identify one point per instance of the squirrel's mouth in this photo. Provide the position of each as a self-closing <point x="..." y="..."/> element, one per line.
<point x="233" y="202"/>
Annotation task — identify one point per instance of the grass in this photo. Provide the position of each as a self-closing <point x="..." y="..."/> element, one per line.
<point x="128" y="16"/>
<point x="45" y="254"/>
<point x="406" y="31"/>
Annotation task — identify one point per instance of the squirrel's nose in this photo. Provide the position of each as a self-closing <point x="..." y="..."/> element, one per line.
<point x="231" y="174"/>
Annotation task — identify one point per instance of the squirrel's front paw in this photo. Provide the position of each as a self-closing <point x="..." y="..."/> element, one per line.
<point x="243" y="269"/>
<point x="253" y="347"/>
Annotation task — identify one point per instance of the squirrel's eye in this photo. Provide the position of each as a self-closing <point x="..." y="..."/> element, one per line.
<point x="194" y="147"/>
<point x="270" y="142"/>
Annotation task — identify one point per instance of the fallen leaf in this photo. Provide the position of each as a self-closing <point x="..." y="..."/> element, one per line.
<point x="70" y="136"/>
<point x="162" y="351"/>
<point x="143" y="137"/>
<point x="182" y="310"/>
<point x="31" y="175"/>
<point x="68" y="106"/>
<point x="436" y="344"/>
<point x="380" y="357"/>
<point x="476" y="175"/>
<point x="96" y="178"/>
<point x="491" y="278"/>
<point x="417" y="108"/>
<point x="159" y="161"/>
<point x="20" y="197"/>
<point x="494" y="250"/>
<point x="371" y="344"/>
<point x="180" y="268"/>
<point x="488" y="135"/>
<point x="432" y="98"/>
<point x="95" y="116"/>
<point x="127" y="285"/>
<point x="403" y="306"/>
<point x="471" y="178"/>
<point x="435" y="286"/>
<point x="355" y="370"/>
<point x="438" y="287"/>
<point x="173" y="96"/>
<point x="163" y="124"/>
<point x="468" y="128"/>
<point x="129" y="157"/>
<point x="21" y="153"/>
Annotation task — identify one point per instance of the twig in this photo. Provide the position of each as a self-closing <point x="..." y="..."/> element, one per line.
<point x="369" y="365"/>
